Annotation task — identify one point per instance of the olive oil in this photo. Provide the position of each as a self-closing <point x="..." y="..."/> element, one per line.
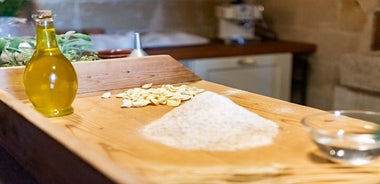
<point x="50" y="80"/>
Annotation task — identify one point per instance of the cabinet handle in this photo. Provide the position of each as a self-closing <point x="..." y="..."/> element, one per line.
<point x="247" y="61"/>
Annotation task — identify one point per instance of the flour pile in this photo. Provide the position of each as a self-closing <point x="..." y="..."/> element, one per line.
<point x="211" y="122"/>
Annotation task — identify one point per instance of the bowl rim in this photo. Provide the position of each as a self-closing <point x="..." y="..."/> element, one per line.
<point x="336" y="113"/>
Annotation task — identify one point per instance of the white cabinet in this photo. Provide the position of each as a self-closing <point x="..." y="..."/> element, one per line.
<point x="266" y="74"/>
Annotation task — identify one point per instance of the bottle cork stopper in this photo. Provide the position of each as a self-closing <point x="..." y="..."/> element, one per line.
<point x="43" y="14"/>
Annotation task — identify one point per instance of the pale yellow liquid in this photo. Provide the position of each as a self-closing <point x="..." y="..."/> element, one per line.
<point x="50" y="82"/>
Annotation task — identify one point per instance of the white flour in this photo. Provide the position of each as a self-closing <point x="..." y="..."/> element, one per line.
<point x="211" y="122"/>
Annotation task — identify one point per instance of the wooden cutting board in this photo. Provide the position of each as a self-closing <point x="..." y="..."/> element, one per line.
<point x="101" y="143"/>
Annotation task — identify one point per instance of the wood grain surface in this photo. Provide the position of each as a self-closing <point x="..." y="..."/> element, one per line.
<point x="101" y="141"/>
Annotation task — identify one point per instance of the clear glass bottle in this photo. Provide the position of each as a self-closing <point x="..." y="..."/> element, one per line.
<point x="50" y="80"/>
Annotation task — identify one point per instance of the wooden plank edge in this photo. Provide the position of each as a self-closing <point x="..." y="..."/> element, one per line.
<point x="110" y="74"/>
<point x="49" y="154"/>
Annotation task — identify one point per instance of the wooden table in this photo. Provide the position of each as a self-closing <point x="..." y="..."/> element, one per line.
<point x="100" y="142"/>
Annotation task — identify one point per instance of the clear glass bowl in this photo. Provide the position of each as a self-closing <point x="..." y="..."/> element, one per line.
<point x="350" y="137"/>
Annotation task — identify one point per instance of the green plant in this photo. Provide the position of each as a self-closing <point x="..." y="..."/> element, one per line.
<point x="16" y="51"/>
<point x="12" y="7"/>
<point x="76" y="46"/>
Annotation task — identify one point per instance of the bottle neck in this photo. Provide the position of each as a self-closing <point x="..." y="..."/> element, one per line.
<point x="45" y="34"/>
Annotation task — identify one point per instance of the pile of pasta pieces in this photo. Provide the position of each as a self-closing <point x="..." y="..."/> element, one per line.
<point x="167" y="94"/>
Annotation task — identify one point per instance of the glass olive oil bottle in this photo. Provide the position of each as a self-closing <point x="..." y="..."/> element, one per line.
<point x="50" y="80"/>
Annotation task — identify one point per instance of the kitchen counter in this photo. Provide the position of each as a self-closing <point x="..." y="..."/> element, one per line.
<point x="216" y="48"/>
<point x="219" y="49"/>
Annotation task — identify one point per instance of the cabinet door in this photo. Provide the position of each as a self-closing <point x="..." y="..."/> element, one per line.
<point x="268" y="75"/>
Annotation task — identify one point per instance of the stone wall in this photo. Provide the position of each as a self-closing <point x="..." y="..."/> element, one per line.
<point x="358" y="87"/>
<point x="120" y="16"/>
<point x="336" y="26"/>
